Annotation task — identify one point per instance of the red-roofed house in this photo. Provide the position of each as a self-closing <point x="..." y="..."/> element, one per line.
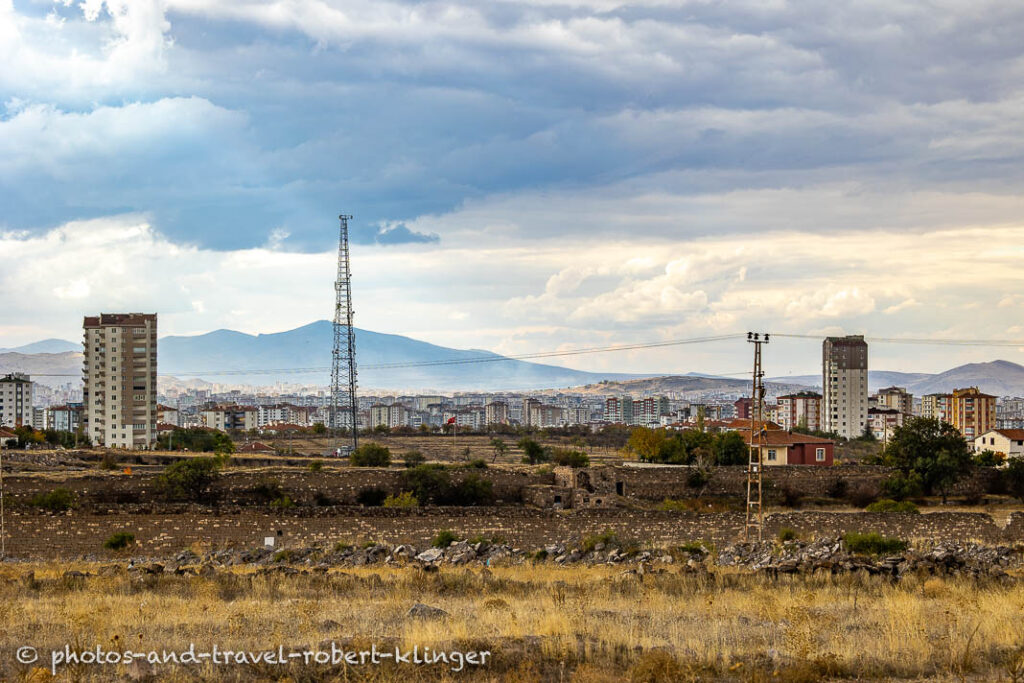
<point x="786" y="448"/>
<point x="7" y="437"/>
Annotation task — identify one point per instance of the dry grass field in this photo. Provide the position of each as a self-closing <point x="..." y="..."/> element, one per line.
<point x="539" y="623"/>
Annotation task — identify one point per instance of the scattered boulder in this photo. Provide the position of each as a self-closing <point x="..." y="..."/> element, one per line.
<point x="421" y="611"/>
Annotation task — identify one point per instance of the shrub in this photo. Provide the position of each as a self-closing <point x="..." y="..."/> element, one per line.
<point x="889" y="505"/>
<point x="444" y="538"/>
<point x="697" y="479"/>
<point x="900" y="486"/>
<point x="533" y="452"/>
<point x="405" y="499"/>
<point x="108" y="462"/>
<point x="322" y="499"/>
<point x="1013" y="478"/>
<point x="267" y="489"/>
<point x="862" y="495"/>
<point x="696" y="548"/>
<point x="607" y="537"/>
<point x="413" y="459"/>
<point x="476" y="464"/>
<point x="119" y="541"/>
<point x="473" y="490"/>
<point x="371" y="455"/>
<point x="371" y="497"/>
<point x="570" y="458"/>
<point x="838" y="488"/>
<point x="791" y="498"/>
<point x="189" y="479"/>
<point x="654" y="666"/>
<point x="57" y="500"/>
<point x="787" y="534"/>
<point x="429" y="483"/>
<point x="282" y="503"/>
<point x="315" y="466"/>
<point x="873" y="544"/>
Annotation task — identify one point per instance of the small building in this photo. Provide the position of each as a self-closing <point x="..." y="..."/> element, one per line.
<point x="7" y="438"/>
<point x="1006" y="442"/>
<point x="788" y="448"/>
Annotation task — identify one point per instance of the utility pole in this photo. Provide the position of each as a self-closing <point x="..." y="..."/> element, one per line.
<point x="755" y="464"/>
<point x="343" y="361"/>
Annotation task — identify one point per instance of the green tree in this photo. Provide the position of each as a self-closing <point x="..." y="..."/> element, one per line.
<point x="499" y="447"/>
<point x="189" y="479"/>
<point x="1013" y="475"/>
<point x="730" y="449"/>
<point x="319" y="428"/>
<point x="371" y="455"/>
<point x="987" y="458"/>
<point x="646" y="443"/>
<point x="533" y="452"/>
<point x="929" y="451"/>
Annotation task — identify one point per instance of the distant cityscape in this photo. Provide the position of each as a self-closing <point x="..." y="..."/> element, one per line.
<point x="118" y="404"/>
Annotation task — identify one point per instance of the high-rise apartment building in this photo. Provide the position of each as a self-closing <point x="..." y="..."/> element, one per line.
<point x="895" y="398"/>
<point x="844" y="404"/>
<point x="496" y="413"/>
<point x="974" y="413"/>
<point x="15" y="400"/>
<point x="937" y="406"/>
<point x="802" y="409"/>
<point x="119" y="379"/>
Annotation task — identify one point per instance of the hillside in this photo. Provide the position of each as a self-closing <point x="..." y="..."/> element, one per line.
<point x="39" y="364"/>
<point x="681" y="384"/>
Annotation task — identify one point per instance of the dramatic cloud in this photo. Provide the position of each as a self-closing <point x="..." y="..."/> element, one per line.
<point x="523" y="175"/>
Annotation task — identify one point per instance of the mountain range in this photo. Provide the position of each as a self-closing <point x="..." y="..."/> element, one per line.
<point x="227" y="356"/>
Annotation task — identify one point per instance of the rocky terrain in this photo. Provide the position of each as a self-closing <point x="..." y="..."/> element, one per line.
<point x="829" y="555"/>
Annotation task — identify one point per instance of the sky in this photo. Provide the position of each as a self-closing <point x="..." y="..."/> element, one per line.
<point x="524" y="176"/>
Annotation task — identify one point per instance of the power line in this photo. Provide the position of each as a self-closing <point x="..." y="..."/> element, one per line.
<point x="1003" y="343"/>
<point x="492" y="358"/>
<point x="918" y="340"/>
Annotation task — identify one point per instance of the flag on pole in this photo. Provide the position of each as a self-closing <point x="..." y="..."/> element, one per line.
<point x="451" y="421"/>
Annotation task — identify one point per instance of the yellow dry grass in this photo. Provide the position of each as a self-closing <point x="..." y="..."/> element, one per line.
<point x="540" y="623"/>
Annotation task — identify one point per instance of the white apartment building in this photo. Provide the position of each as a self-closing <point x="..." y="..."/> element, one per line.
<point x="119" y="379"/>
<point x="394" y="415"/>
<point x="15" y="400"/>
<point x="844" y="405"/>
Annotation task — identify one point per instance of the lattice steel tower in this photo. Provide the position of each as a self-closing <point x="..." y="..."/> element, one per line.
<point x="343" y="365"/>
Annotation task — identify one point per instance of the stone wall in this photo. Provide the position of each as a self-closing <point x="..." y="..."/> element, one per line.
<point x="37" y="534"/>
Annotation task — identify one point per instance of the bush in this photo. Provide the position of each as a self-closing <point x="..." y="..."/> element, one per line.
<point x="267" y="490"/>
<point x="57" y="500"/>
<point x="444" y="539"/>
<point x="862" y="495"/>
<point x="697" y="479"/>
<point x="1013" y="478"/>
<point x="476" y="464"/>
<point x="533" y="452"/>
<point x="791" y="498"/>
<point x="404" y="499"/>
<point x="696" y="548"/>
<point x="900" y="486"/>
<point x="316" y="466"/>
<point x="473" y="490"/>
<point x="413" y="459"/>
<point x="188" y="479"/>
<point x="570" y="458"/>
<point x="282" y="503"/>
<point x="838" y="488"/>
<point x="429" y="483"/>
<point x="889" y="505"/>
<point x="108" y="462"/>
<point x="119" y="541"/>
<point x="371" y="497"/>
<point x="607" y="537"/>
<point x="787" y="534"/>
<point x="371" y="455"/>
<point x="873" y="544"/>
<point x="323" y="500"/>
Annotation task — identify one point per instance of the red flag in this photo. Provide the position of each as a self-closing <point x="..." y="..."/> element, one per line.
<point x="451" y="421"/>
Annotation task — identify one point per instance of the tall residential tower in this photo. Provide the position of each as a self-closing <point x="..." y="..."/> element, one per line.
<point x="119" y="377"/>
<point x="844" y="403"/>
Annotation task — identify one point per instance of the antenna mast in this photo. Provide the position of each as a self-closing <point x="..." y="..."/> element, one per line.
<point x="343" y="407"/>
